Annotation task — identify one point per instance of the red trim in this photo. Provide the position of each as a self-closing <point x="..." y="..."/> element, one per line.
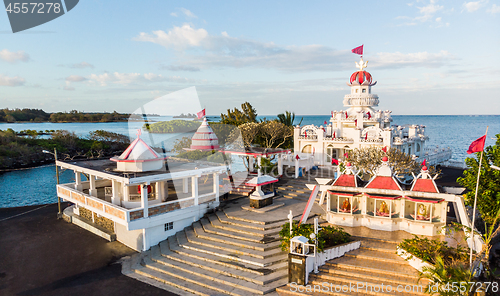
<point x="262" y="184"/>
<point x="424" y="200"/>
<point x="140" y="160"/>
<point x="342" y="193"/>
<point x="383" y="197"/>
<point x="308" y="204"/>
<point x="212" y="139"/>
<point x="204" y="147"/>
<point x="254" y="154"/>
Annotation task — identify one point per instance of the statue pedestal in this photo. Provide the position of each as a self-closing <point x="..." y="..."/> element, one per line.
<point x="259" y="200"/>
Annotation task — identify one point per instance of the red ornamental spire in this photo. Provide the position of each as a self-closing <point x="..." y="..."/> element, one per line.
<point x="384" y="149"/>
<point x="358" y="50"/>
<point x="423" y="163"/>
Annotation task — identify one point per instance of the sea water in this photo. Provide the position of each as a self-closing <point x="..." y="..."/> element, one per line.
<point x="37" y="185"/>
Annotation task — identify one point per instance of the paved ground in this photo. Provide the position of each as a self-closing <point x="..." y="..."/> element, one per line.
<point x="40" y="255"/>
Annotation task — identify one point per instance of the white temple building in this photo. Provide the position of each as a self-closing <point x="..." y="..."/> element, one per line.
<point x="360" y="126"/>
<point x="138" y="197"/>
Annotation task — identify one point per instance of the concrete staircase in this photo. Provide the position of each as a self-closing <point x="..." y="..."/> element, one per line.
<point x="217" y="255"/>
<point x="373" y="264"/>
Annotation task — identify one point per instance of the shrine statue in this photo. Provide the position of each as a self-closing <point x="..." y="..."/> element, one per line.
<point x="383" y="208"/>
<point x="346" y="206"/>
<point x="421" y="210"/>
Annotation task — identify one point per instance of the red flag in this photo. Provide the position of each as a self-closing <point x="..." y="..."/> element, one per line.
<point x="201" y="114"/>
<point x="332" y="113"/>
<point x="355" y="122"/>
<point x="346" y="116"/>
<point x="477" y="145"/>
<point x="423" y="163"/>
<point x="358" y="50"/>
<point x="384" y="149"/>
<point x="334" y="134"/>
<point x="346" y="155"/>
<point x="297" y="157"/>
<point x="325" y="122"/>
<point x="369" y="115"/>
<point x="305" y="134"/>
<point x="335" y="162"/>
<point x="366" y="136"/>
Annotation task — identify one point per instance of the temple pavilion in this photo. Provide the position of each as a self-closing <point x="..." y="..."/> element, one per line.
<point x="138" y="196"/>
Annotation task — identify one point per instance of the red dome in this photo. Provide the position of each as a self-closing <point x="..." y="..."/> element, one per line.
<point x="385" y="158"/>
<point x="360" y="77"/>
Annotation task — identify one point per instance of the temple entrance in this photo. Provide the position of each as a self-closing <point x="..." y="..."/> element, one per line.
<point x="331" y="153"/>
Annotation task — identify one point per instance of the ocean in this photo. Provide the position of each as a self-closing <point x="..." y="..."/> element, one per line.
<point x="37" y="185"/>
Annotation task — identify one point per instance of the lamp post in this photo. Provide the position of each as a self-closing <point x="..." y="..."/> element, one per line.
<point x="59" y="213"/>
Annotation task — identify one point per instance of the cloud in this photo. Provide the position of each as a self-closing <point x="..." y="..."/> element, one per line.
<point x="494" y="9"/>
<point x="75" y="78"/>
<point x="11" y="81"/>
<point x="474" y="5"/>
<point x="418" y="59"/>
<point x="178" y="37"/>
<point x="14" y="57"/>
<point x="221" y="51"/>
<point x="188" y="13"/>
<point x="173" y="14"/>
<point x="180" y="68"/>
<point x="69" y="88"/>
<point x="126" y="79"/>
<point x="426" y="13"/>
<point x="81" y="65"/>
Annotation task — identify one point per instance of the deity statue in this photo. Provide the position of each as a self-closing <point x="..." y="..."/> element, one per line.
<point x="421" y="210"/>
<point x="383" y="208"/>
<point x="346" y="206"/>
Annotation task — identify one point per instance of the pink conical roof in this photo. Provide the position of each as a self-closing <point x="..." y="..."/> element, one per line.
<point x="204" y="138"/>
<point x="137" y="151"/>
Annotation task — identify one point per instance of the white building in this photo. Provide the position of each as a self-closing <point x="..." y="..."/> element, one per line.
<point x="362" y="126"/>
<point x="132" y="197"/>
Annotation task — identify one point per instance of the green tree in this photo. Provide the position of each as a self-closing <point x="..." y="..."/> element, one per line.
<point x="288" y="118"/>
<point x="488" y="198"/>
<point x="238" y="117"/>
<point x="180" y="144"/>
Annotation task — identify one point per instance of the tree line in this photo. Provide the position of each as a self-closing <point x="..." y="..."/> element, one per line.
<point x="38" y="115"/>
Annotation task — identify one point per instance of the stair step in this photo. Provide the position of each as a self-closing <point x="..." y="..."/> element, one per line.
<point x="226" y="220"/>
<point x="167" y="267"/>
<point x="200" y="232"/>
<point x="192" y="238"/>
<point x="368" y="254"/>
<point x="208" y="227"/>
<point x="214" y="220"/>
<point x="246" y="260"/>
<point x="347" y="280"/>
<point x="262" y="277"/>
<point x="373" y="266"/>
<point x="300" y="290"/>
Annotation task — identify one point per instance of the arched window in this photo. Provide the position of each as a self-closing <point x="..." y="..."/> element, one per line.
<point x="307" y="149"/>
<point x="331" y="153"/>
<point x="418" y="147"/>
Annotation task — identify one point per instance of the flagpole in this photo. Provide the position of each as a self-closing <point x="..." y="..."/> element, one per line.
<point x="475" y="202"/>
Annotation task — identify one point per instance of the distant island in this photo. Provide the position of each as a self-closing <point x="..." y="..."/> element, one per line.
<point x="189" y="115"/>
<point x="38" y="115"/>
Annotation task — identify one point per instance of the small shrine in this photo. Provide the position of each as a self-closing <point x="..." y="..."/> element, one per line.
<point x="384" y="204"/>
<point x="259" y="198"/>
<point x="139" y="157"/>
<point x="204" y="139"/>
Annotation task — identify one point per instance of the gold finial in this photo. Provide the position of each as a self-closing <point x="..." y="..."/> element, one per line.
<point x="361" y="65"/>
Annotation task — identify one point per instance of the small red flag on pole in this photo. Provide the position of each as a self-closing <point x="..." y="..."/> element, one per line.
<point x="358" y="50"/>
<point x="423" y="163"/>
<point x="334" y="134"/>
<point x="325" y="122"/>
<point x="369" y="115"/>
<point x="366" y="136"/>
<point x="477" y="145"/>
<point x="201" y="114"/>
<point x="346" y="116"/>
<point x="332" y="113"/>
<point x="335" y="162"/>
<point x="384" y="149"/>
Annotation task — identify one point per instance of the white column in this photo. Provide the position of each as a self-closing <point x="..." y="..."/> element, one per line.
<point x="126" y="192"/>
<point x="296" y="168"/>
<point x="78" y="181"/>
<point x="185" y="185"/>
<point x="115" y="197"/>
<point x="145" y="244"/>
<point x="93" y="189"/>
<point x="250" y="164"/>
<point x="144" y="199"/>
<point x="259" y="170"/>
<point x="194" y="189"/>
<point x="216" y="186"/>
<point x="159" y="190"/>
<point x="280" y="165"/>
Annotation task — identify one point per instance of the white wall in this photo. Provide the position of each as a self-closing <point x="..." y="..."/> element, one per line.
<point x="130" y="238"/>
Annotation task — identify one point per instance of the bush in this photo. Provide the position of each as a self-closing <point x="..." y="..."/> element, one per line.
<point x="429" y="250"/>
<point x="328" y="236"/>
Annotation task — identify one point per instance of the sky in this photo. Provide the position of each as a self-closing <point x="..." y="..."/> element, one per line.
<point x="429" y="57"/>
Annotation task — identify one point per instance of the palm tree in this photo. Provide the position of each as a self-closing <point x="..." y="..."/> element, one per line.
<point x="288" y="118"/>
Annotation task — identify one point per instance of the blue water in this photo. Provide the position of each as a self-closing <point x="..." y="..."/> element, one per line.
<point x="37" y="185"/>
